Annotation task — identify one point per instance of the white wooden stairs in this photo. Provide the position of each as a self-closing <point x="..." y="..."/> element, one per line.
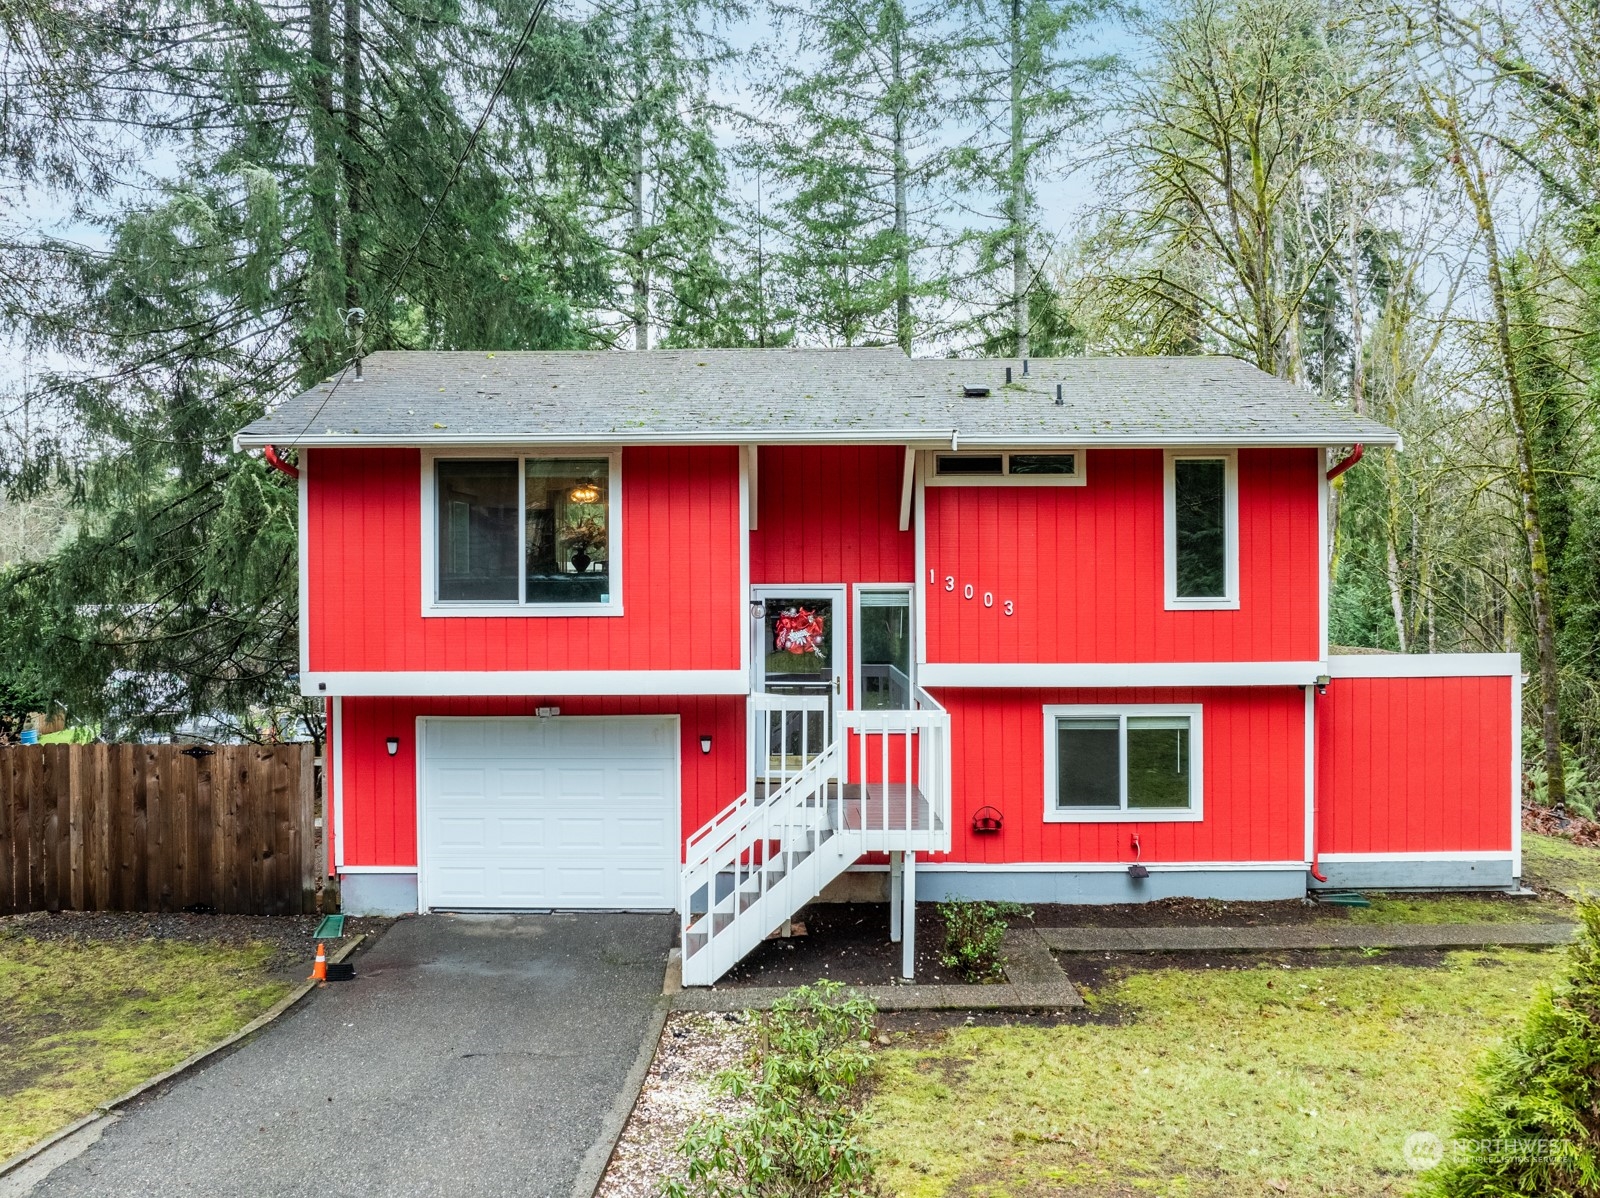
<point x="879" y="784"/>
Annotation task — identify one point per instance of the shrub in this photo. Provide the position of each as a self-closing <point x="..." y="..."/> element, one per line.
<point x="1530" y="1127"/>
<point x="973" y="934"/>
<point x="800" y="1137"/>
<point x="1583" y="791"/>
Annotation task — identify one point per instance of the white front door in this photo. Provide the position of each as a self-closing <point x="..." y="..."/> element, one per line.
<point x="566" y="812"/>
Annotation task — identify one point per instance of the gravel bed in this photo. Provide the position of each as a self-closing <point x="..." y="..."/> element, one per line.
<point x="694" y="1049"/>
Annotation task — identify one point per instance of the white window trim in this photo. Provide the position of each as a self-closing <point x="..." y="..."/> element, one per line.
<point x="1104" y="815"/>
<point x="432" y="606"/>
<point x="881" y="588"/>
<point x="1077" y="478"/>
<point x="1169" y="521"/>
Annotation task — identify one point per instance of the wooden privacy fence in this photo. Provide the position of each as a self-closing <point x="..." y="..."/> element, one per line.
<point x="157" y="828"/>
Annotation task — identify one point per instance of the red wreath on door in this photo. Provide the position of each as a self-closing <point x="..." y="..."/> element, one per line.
<point x="798" y="630"/>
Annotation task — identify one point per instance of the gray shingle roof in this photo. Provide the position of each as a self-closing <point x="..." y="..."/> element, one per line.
<point x="803" y="395"/>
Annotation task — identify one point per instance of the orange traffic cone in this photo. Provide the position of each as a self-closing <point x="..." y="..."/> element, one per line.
<point x="319" y="971"/>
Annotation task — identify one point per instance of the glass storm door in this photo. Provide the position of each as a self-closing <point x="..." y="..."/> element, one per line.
<point x="799" y="652"/>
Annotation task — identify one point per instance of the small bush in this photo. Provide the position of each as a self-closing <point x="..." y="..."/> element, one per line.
<point x="1531" y="1127"/>
<point x="801" y="1135"/>
<point x="1583" y="791"/>
<point x="973" y="934"/>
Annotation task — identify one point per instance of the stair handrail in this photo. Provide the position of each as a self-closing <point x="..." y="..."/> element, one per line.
<point x="819" y="769"/>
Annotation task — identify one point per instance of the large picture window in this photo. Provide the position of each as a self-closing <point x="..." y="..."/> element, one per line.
<point x="1202" y="530"/>
<point x="1132" y="763"/>
<point x="536" y="532"/>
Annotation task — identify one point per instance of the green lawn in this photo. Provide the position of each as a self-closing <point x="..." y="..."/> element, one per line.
<point x="1559" y="864"/>
<point x="1215" y="1084"/>
<point x="82" y="1022"/>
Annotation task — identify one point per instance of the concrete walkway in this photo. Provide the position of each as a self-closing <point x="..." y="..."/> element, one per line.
<point x="1303" y="936"/>
<point x="473" y="1055"/>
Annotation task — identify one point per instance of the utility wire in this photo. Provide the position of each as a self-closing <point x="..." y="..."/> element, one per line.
<point x="427" y="223"/>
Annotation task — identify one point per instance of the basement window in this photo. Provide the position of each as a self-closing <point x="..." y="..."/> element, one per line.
<point x="1201" y="492"/>
<point x="1131" y="763"/>
<point x="536" y="534"/>
<point x="1058" y="467"/>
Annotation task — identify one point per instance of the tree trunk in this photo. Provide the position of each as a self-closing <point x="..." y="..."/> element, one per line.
<point x="1391" y="524"/>
<point x="640" y="282"/>
<point x="354" y="183"/>
<point x="902" y="240"/>
<point x="1018" y="202"/>
<point x="1474" y="182"/>
<point x="641" y="269"/>
<point x="327" y="291"/>
<point x="1358" y="357"/>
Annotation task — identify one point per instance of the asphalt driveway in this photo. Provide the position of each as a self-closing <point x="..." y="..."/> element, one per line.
<point x="473" y="1055"/>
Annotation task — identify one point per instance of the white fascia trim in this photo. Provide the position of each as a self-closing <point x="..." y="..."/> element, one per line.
<point x="1310" y="783"/>
<point x="919" y="536"/>
<point x="747" y="523"/>
<point x="303" y="561"/>
<point x="908" y="486"/>
<point x="525" y="682"/>
<point x="915" y="437"/>
<point x="378" y="869"/>
<point x="1079" y="675"/>
<point x="336" y="752"/>
<point x="1090" y="867"/>
<point x="1324" y="555"/>
<point x="1424" y="665"/>
<point x="1469" y="855"/>
<point x="1516" y="774"/>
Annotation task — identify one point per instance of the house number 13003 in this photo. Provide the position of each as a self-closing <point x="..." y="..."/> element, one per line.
<point x="968" y="591"/>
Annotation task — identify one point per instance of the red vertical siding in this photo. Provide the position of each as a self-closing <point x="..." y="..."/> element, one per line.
<point x="379" y="796"/>
<point x="1084" y="568"/>
<point x="1253" y="776"/>
<point x="830" y="514"/>
<point x="1414" y="765"/>
<point x="681" y="552"/>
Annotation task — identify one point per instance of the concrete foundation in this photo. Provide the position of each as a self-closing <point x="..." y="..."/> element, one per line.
<point x="378" y="894"/>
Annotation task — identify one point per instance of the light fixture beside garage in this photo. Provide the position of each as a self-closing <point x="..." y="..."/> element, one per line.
<point x="393" y="745"/>
<point x="705" y="744"/>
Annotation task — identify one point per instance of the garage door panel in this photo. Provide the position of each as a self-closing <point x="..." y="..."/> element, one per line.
<point x="639" y="832"/>
<point x="550" y="813"/>
<point x="520" y="783"/>
<point x="520" y="832"/>
<point x="635" y="886"/>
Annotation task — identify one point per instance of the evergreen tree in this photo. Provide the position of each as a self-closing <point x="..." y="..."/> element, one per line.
<point x="1025" y="93"/>
<point x="855" y="139"/>
<point x="325" y="163"/>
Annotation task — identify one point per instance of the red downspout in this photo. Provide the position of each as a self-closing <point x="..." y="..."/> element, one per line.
<point x="1355" y="456"/>
<point x="277" y="463"/>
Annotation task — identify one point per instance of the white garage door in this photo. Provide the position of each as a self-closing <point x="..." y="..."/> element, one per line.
<point x="562" y="812"/>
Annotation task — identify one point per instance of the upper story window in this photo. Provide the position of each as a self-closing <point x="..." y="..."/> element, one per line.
<point x="1202" y="530"/>
<point x="1138" y="762"/>
<point x="999" y="468"/>
<point x="536" y="533"/>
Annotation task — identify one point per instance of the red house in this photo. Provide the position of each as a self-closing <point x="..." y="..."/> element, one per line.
<point x="710" y="630"/>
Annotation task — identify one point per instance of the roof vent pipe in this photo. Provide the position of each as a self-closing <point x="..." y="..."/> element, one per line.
<point x="1024" y="368"/>
<point x="1059" y="400"/>
<point x="1008" y="375"/>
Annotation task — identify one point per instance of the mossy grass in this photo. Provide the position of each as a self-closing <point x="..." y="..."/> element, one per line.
<point x="1212" y="1083"/>
<point x="82" y="1022"/>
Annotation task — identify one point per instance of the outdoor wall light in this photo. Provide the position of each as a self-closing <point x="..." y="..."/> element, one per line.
<point x="758" y="608"/>
<point x="705" y="744"/>
<point x="393" y="745"/>
<point x="1322" y="684"/>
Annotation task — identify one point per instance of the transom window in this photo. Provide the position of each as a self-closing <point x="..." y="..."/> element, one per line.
<point x="1131" y="763"/>
<point x="1055" y="467"/>
<point x="529" y="531"/>
<point x="1202" y="530"/>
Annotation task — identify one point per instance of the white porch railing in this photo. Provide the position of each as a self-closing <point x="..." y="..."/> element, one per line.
<point x="819" y="797"/>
